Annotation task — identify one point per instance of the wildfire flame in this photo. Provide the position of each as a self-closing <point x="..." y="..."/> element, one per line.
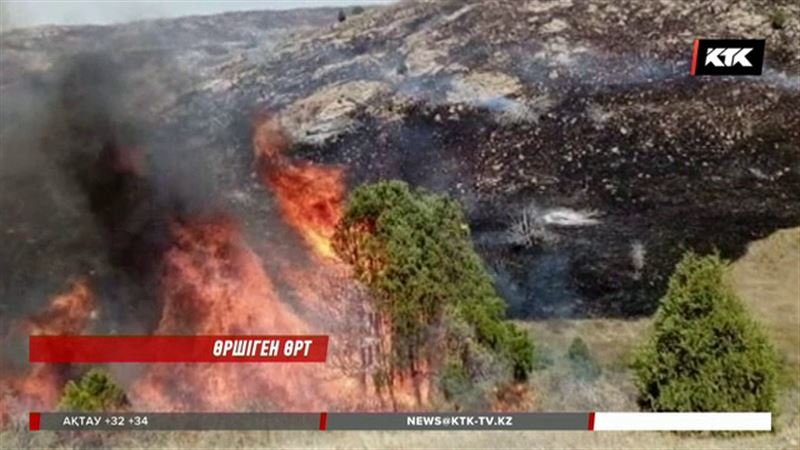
<point x="39" y="388"/>
<point x="213" y="283"/>
<point x="309" y="195"/>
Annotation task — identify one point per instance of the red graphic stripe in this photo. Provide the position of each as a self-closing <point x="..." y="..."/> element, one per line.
<point x="694" y="55"/>
<point x="175" y="349"/>
<point x="323" y="421"/>
<point x="591" y="421"/>
<point x="35" y="421"/>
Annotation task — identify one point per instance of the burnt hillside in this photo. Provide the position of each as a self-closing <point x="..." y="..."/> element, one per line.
<point x="578" y="116"/>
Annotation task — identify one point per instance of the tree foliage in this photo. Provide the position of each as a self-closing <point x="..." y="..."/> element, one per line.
<point x="706" y="353"/>
<point x="94" y="392"/>
<point x="412" y="248"/>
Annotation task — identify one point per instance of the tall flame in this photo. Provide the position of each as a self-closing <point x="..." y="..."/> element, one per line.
<point x="213" y="283"/>
<point x="309" y="195"/>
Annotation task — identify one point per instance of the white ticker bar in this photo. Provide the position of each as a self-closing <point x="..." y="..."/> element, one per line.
<point x="691" y="421"/>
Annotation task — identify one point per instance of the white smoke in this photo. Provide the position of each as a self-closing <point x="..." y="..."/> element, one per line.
<point x="27" y="13"/>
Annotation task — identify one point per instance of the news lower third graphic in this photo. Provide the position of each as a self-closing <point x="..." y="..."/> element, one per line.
<point x="575" y="421"/>
<point x="314" y="349"/>
<point x="177" y="349"/>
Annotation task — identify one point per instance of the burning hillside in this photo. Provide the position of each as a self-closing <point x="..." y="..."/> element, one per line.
<point x="213" y="284"/>
<point x="585" y="166"/>
<point x="178" y="264"/>
<point x="39" y="387"/>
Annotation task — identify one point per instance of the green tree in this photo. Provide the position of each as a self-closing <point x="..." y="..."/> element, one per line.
<point x="706" y="353"/>
<point x="94" y="392"/>
<point x="412" y="248"/>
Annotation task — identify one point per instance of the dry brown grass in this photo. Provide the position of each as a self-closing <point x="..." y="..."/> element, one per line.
<point x="767" y="278"/>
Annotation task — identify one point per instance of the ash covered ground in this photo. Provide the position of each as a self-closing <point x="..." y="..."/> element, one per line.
<point x="586" y="157"/>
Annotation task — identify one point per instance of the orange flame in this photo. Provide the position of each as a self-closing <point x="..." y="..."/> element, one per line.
<point x="39" y="388"/>
<point x="213" y="283"/>
<point x="309" y="195"/>
<point x="68" y="313"/>
<point x="310" y="198"/>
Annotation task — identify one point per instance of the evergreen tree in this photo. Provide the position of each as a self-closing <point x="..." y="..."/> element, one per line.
<point x="413" y="250"/>
<point x="706" y="353"/>
<point x="94" y="392"/>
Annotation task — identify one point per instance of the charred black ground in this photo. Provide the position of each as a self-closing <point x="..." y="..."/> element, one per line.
<point x="500" y="104"/>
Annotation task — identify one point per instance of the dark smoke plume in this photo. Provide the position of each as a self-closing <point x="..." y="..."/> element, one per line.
<point x="90" y="189"/>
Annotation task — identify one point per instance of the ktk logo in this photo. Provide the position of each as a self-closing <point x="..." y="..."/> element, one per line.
<point x="733" y="56"/>
<point x="728" y="56"/>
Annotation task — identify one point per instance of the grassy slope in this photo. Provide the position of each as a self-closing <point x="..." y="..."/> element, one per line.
<point x="768" y="278"/>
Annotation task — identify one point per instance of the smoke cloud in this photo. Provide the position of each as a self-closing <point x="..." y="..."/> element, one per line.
<point x="19" y="13"/>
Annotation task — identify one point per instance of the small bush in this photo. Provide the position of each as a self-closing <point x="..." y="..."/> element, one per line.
<point x="706" y="353"/>
<point x="778" y="19"/>
<point x="578" y="350"/>
<point x="455" y="383"/>
<point x="581" y="358"/>
<point x="402" y="68"/>
<point x="356" y="10"/>
<point x="94" y="392"/>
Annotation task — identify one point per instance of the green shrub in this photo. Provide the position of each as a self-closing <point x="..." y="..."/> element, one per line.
<point x="412" y="249"/>
<point x="356" y="10"/>
<point x="778" y="19"/>
<point x="454" y="380"/>
<point x="581" y="358"/>
<point x="578" y="350"/>
<point x="94" y="392"/>
<point x="706" y="353"/>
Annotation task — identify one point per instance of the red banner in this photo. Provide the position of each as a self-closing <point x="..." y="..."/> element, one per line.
<point x="177" y="349"/>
